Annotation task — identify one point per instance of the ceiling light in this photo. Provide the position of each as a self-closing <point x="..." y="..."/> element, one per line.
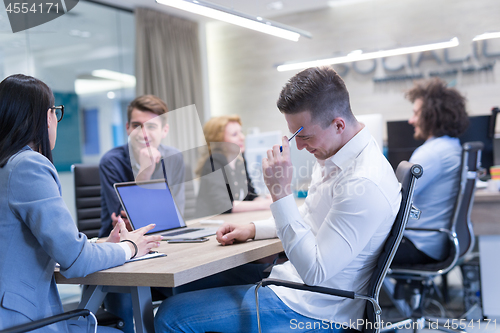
<point x="79" y="33"/>
<point x="103" y="80"/>
<point x="230" y="16"/>
<point x="340" y="3"/>
<point x="112" y="75"/>
<point x="275" y="5"/>
<point x="358" y="55"/>
<point x="488" y="35"/>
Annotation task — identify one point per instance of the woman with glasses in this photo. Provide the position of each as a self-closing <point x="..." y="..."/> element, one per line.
<point x="36" y="228"/>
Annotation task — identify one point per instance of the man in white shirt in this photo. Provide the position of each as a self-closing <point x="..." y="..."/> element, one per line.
<point x="333" y="240"/>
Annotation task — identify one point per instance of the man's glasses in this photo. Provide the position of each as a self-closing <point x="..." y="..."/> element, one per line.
<point x="59" y="110"/>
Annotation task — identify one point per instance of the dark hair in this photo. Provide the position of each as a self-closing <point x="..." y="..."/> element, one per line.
<point x="149" y="103"/>
<point x="24" y="102"/>
<point x="443" y="109"/>
<point x="319" y="90"/>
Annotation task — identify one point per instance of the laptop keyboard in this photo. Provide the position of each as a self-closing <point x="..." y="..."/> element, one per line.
<point x="180" y="232"/>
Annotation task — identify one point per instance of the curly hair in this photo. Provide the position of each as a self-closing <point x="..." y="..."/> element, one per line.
<point x="443" y="108"/>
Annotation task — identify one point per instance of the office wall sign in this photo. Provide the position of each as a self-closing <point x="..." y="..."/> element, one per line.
<point x="424" y="64"/>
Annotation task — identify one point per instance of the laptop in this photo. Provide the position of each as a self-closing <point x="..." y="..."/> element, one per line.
<point x="152" y="202"/>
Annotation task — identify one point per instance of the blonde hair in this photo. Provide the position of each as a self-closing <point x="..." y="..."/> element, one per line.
<point x="214" y="131"/>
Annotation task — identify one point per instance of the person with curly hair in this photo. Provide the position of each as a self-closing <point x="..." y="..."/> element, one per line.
<point x="439" y="117"/>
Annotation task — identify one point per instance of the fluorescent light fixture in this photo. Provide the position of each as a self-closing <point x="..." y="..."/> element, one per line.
<point x="230" y="16"/>
<point x="488" y="35"/>
<point x="341" y="3"/>
<point x="103" y="80"/>
<point x="112" y="75"/>
<point x="358" y="55"/>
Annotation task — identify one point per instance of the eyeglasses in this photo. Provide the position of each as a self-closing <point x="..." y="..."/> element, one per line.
<point x="59" y="110"/>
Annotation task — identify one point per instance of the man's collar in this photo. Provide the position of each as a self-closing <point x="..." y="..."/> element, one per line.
<point x="349" y="151"/>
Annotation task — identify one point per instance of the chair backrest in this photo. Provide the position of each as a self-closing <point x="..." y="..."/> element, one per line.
<point x="461" y="224"/>
<point x="87" y="199"/>
<point x="460" y="233"/>
<point x="406" y="173"/>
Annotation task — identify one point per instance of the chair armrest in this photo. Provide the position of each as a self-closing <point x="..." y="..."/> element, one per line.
<point x="48" y="321"/>
<point x="316" y="289"/>
<point x="415" y="213"/>
<point x="446" y="231"/>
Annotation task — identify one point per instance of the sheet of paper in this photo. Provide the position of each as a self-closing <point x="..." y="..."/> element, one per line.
<point x="148" y="256"/>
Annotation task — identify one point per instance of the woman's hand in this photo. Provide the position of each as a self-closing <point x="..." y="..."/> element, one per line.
<point x="144" y="243"/>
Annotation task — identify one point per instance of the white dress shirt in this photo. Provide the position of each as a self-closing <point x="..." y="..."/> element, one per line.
<point x="335" y="237"/>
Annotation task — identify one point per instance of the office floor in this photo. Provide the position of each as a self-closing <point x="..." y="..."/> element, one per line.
<point x="454" y="309"/>
<point x="70" y="296"/>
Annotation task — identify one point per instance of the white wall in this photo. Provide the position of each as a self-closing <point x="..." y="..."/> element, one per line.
<point x="241" y="62"/>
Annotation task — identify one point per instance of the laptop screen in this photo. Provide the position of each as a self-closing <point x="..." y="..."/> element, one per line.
<point x="150" y="202"/>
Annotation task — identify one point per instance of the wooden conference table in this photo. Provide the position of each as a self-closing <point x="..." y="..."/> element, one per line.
<point x="184" y="263"/>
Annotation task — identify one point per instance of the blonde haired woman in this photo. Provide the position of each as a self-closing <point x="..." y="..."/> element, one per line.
<point x="226" y="140"/>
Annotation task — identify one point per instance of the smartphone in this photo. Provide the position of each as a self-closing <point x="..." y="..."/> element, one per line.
<point x="187" y="240"/>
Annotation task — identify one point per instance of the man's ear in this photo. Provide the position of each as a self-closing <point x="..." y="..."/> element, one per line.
<point x="339" y="125"/>
<point x="165" y="130"/>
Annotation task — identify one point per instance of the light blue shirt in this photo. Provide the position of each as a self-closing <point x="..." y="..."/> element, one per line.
<point x="435" y="193"/>
<point x="36" y="231"/>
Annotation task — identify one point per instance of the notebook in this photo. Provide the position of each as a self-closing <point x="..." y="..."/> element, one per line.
<point x="152" y="202"/>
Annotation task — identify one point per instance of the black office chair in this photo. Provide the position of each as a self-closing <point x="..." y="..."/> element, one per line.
<point x="407" y="173"/>
<point x="54" y="319"/>
<point x="87" y="198"/>
<point x="460" y="239"/>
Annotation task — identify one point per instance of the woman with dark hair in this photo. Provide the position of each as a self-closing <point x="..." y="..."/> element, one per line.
<point x="36" y="228"/>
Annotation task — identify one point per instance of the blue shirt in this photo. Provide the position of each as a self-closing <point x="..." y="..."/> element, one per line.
<point x="116" y="167"/>
<point x="435" y="193"/>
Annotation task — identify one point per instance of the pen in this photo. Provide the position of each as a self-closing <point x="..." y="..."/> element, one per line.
<point x="293" y="136"/>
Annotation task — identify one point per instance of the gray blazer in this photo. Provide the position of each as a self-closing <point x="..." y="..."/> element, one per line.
<point x="36" y="231"/>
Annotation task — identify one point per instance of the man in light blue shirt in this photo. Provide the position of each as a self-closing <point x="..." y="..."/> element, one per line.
<point x="439" y="117"/>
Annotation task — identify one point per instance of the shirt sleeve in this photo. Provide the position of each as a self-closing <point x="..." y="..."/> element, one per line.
<point x="36" y="200"/>
<point x="348" y="227"/>
<point x="110" y="203"/>
<point x="265" y="229"/>
<point x="431" y="163"/>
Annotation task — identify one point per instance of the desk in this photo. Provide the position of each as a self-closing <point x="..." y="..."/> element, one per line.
<point x="184" y="263"/>
<point x="485" y="218"/>
<point x="485" y="215"/>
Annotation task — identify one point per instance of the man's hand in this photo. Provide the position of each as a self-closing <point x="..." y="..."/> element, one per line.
<point x="278" y="171"/>
<point x="229" y="233"/>
<point x="148" y="158"/>
<point x="114" y="220"/>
